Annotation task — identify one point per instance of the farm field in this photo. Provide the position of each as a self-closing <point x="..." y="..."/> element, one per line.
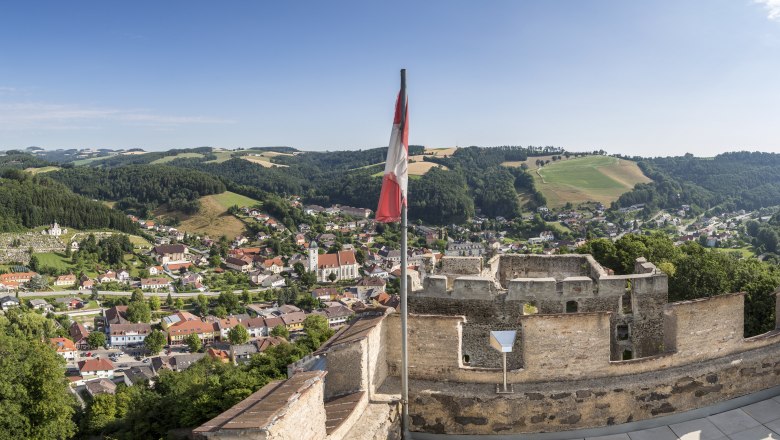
<point x="222" y="156"/>
<point x="167" y="159"/>
<point x="591" y="178"/>
<point x="42" y="169"/>
<point x="260" y="160"/>
<point x="213" y="219"/>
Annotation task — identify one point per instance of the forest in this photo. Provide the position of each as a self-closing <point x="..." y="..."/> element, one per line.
<point x="728" y="182"/>
<point x="142" y="188"/>
<point x="30" y="201"/>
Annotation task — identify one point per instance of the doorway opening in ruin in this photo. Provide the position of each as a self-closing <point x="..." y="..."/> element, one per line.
<point x="628" y="355"/>
<point x="466" y="360"/>
<point x="571" y="306"/>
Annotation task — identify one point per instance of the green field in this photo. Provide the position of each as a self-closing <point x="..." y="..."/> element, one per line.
<point x="55" y="260"/>
<point x="228" y="199"/>
<point x="42" y="169"/>
<point x="592" y="178"/>
<point x="222" y="156"/>
<point x="167" y="159"/>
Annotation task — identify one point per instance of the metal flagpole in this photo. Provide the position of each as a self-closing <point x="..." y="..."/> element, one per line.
<point x="404" y="253"/>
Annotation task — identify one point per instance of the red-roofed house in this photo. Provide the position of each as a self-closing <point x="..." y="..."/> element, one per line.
<point x="96" y="368"/>
<point x="65" y="348"/>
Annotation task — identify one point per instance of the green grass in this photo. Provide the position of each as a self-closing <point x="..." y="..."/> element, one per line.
<point x="592" y="178"/>
<point x="42" y="169"/>
<point x="745" y="251"/>
<point x="55" y="260"/>
<point x="167" y="159"/>
<point x="139" y="241"/>
<point x="222" y="156"/>
<point x="228" y="199"/>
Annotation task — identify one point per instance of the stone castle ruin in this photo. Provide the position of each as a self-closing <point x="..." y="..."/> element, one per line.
<point x="592" y="349"/>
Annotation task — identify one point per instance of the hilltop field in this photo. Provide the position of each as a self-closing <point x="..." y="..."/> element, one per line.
<point x="213" y="218"/>
<point x="591" y="178"/>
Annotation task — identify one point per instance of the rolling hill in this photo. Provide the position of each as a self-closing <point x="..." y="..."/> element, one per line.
<point x="591" y="178"/>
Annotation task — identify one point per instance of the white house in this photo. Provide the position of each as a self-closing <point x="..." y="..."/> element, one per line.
<point x="127" y="335"/>
<point x="96" y="368"/>
<point x="343" y="264"/>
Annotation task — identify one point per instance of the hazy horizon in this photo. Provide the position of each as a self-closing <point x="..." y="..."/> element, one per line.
<point x="649" y="79"/>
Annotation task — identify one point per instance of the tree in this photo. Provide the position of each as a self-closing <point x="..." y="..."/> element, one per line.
<point x="38" y="282"/>
<point x="101" y="412"/>
<point x="137" y="295"/>
<point x="238" y="335"/>
<point x="202" y="305"/>
<point x="229" y="301"/>
<point x="316" y="331"/>
<point x="154" y="341"/>
<point x="179" y="304"/>
<point x="96" y="339"/>
<point x="154" y="302"/>
<point x="169" y="300"/>
<point x="332" y="277"/>
<point x="36" y="401"/>
<point x="193" y="342"/>
<point x="247" y="297"/>
<point x="280" y="330"/>
<point x="138" y="311"/>
<point x="33" y="264"/>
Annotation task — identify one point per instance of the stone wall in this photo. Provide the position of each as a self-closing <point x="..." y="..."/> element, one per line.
<point x="553" y="284"/>
<point x="565" y="378"/>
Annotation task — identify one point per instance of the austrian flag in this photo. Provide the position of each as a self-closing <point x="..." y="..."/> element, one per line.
<point x="396" y="177"/>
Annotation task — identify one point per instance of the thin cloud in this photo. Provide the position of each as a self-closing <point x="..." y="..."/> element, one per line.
<point x="22" y="116"/>
<point x="772" y="7"/>
<point x="7" y="89"/>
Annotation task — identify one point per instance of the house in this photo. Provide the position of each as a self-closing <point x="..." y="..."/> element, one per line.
<point x="219" y="355"/>
<point x="128" y="335"/>
<point x="275" y="280"/>
<point x="293" y="321"/>
<point x="183" y="324"/>
<point x="18" y="277"/>
<point x="243" y="264"/>
<point x="96" y="368"/>
<point x="226" y="324"/>
<point x="79" y="333"/>
<point x="170" y="253"/>
<point x="342" y="264"/>
<point x="336" y="315"/>
<point x="100" y="386"/>
<point x="324" y="293"/>
<point x="8" y="286"/>
<point x="123" y="276"/>
<point x="179" y="362"/>
<point x="156" y="270"/>
<point x="368" y="284"/>
<point x="176" y="267"/>
<point x="40" y="304"/>
<point x="8" y="302"/>
<point x="274" y="265"/>
<point x="70" y="303"/>
<point x="140" y="375"/>
<point x="191" y="278"/>
<point x="65" y="280"/>
<point x="116" y="315"/>
<point x="86" y="284"/>
<point x="65" y="348"/>
<point x="155" y="283"/>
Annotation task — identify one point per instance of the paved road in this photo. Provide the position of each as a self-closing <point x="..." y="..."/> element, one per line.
<point x="162" y="295"/>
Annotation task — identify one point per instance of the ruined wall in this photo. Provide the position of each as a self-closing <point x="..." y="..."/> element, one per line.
<point x="540" y="266"/>
<point x="349" y="363"/>
<point x="567" y="380"/>
<point x="458" y="408"/>
<point x="461" y="265"/>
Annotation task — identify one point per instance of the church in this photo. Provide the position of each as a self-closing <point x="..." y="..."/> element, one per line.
<point x="342" y="263"/>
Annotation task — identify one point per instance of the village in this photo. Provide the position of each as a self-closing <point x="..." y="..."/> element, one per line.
<point x="181" y="297"/>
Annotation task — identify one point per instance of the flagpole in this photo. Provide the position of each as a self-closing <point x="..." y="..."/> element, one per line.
<point x="404" y="348"/>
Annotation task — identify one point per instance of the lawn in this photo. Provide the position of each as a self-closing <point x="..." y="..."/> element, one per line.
<point x="167" y="159"/>
<point x="262" y="161"/>
<point x="55" y="260"/>
<point x="139" y="242"/>
<point x="222" y="156"/>
<point x="592" y="178"/>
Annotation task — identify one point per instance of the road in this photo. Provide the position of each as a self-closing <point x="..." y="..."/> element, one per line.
<point x="162" y="295"/>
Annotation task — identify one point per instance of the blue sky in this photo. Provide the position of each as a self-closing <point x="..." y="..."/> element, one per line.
<point x="648" y="78"/>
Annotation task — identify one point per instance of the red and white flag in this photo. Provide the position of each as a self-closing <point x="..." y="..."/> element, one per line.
<point x="396" y="178"/>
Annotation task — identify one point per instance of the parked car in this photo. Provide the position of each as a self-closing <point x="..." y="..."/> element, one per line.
<point x="147" y="360"/>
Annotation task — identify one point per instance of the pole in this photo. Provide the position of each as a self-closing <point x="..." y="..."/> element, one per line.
<point x="504" y="353"/>
<point x="404" y="253"/>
